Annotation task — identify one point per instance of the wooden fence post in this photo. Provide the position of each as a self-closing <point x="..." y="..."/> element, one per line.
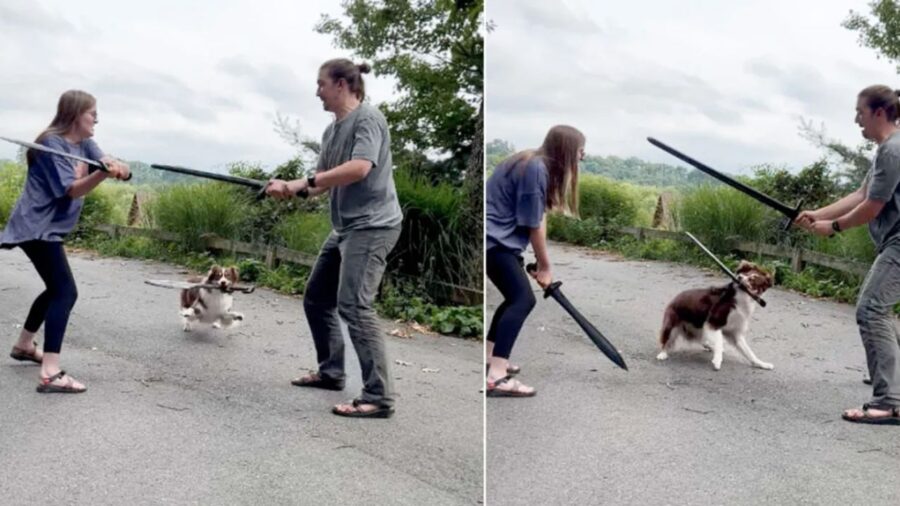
<point x="797" y="260"/>
<point x="270" y="257"/>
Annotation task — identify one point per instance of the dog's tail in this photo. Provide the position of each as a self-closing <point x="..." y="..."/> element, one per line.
<point x="665" y="333"/>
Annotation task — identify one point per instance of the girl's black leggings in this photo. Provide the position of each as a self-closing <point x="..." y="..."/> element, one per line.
<point x="505" y="270"/>
<point x="53" y="305"/>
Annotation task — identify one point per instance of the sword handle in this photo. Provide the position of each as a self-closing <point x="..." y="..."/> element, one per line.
<point x="105" y="168"/>
<point x="532" y="267"/>
<point x="304" y="193"/>
<point x="790" y="220"/>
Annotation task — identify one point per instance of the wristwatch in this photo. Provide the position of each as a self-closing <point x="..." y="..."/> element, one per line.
<point x="835" y="226"/>
<point x="311" y="180"/>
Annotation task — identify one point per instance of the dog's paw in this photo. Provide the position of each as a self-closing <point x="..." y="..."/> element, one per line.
<point x="717" y="364"/>
<point x="186" y="328"/>
<point x="662" y="355"/>
<point x="764" y="365"/>
<point x="187" y="312"/>
<point x="238" y="316"/>
<point x="217" y="325"/>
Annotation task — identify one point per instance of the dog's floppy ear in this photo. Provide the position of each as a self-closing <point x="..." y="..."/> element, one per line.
<point x="232" y="274"/>
<point x="744" y="266"/>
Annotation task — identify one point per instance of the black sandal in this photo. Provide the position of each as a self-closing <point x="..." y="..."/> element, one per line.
<point x="381" y="411"/>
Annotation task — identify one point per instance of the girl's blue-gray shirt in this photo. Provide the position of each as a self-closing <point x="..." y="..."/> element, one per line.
<point x="515" y="200"/>
<point x="44" y="211"/>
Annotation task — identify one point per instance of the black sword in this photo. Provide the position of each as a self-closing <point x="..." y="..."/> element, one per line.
<point x="726" y="270"/>
<point x="599" y="339"/>
<point x="243" y="181"/>
<point x="781" y="207"/>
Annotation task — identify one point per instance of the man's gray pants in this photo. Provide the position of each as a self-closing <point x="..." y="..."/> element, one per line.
<point x="875" y="316"/>
<point x="343" y="283"/>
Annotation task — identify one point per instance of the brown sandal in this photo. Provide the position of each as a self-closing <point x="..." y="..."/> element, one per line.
<point x="46" y="385"/>
<point x="26" y="356"/>
<point x="892" y="418"/>
<point x="315" y="380"/>
<point x="514" y="391"/>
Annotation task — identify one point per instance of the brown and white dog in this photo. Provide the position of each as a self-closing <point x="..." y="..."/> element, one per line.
<point x="211" y="306"/>
<point x="714" y="314"/>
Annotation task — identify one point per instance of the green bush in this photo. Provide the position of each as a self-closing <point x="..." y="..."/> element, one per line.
<point x="12" y="181"/>
<point x="193" y="210"/>
<point x="718" y="214"/>
<point x="854" y="243"/>
<point x="304" y="232"/>
<point x="434" y="242"/>
<point x="608" y="203"/>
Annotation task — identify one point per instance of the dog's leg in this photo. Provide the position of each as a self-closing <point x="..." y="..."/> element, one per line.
<point x="189" y="314"/>
<point x="667" y="335"/>
<point x="717" y="340"/>
<point x="742" y="345"/>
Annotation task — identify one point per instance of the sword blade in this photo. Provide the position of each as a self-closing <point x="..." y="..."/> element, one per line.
<point x="252" y="183"/>
<point x="726" y="270"/>
<point x="40" y="147"/>
<point x="186" y="285"/>
<point x="737" y="185"/>
<point x="599" y="339"/>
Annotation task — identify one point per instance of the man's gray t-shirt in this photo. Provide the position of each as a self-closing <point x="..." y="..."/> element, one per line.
<point x="882" y="184"/>
<point x="44" y="211"/>
<point x="372" y="202"/>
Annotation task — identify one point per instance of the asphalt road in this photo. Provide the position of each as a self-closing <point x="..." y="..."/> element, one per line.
<point x="211" y="418"/>
<point x="678" y="432"/>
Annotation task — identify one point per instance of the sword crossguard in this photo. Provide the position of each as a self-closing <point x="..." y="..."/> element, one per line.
<point x="790" y="220"/>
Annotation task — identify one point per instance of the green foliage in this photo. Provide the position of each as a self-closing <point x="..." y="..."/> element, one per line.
<point x="610" y="203"/>
<point x="583" y="232"/>
<point x="434" y="49"/>
<point x="637" y="171"/>
<point x="881" y="33"/>
<point x="304" y="232"/>
<point x="12" y="181"/>
<point x="263" y="216"/>
<point x="143" y="175"/>
<point x="814" y="185"/>
<point x="194" y="210"/>
<point x="496" y="151"/>
<point x="285" y="278"/>
<point x="854" y="243"/>
<point x="718" y="214"/>
<point x="434" y="242"/>
<point x="406" y="302"/>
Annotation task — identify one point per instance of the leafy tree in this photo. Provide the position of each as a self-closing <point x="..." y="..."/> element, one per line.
<point x="813" y="184"/>
<point x="435" y="50"/>
<point x="881" y="33"/>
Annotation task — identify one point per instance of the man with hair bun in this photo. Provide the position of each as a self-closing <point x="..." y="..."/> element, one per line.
<point x="876" y="203"/>
<point x="355" y="167"/>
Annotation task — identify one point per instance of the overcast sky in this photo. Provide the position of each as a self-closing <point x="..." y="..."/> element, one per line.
<point x="724" y="81"/>
<point x="186" y="83"/>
